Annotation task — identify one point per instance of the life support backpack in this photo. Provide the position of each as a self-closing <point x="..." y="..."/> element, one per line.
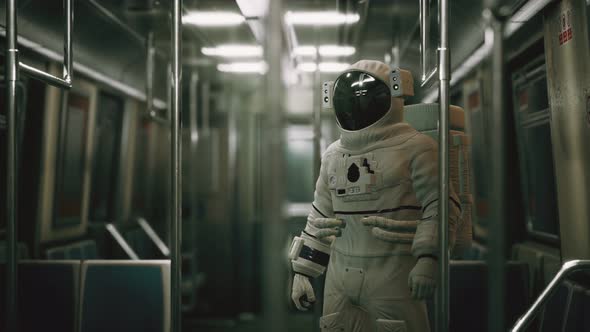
<point x="424" y="118"/>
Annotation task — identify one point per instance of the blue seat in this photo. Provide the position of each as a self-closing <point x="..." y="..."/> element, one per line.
<point x="125" y="296"/>
<point x="48" y="294"/>
<point x="79" y="250"/>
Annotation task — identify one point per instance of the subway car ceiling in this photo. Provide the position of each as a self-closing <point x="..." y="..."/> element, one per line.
<point x="94" y="163"/>
<point x="381" y="30"/>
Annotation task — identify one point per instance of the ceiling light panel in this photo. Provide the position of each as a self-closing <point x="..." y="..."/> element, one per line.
<point x="307" y="67"/>
<point x="333" y="67"/>
<point x="233" y="51"/>
<point x="326" y="67"/>
<point x="259" y="67"/>
<point x="320" y="18"/>
<point x="305" y="50"/>
<point x="325" y="50"/>
<point x="336" y="50"/>
<point x="213" y="18"/>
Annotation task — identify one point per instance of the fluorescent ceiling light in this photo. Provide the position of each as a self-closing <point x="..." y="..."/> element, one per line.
<point x="307" y="67"/>
<point x="305" y="50"/>
<point x="243" y="67"/>
<point x="324" y="50"/>
<point x="333" y="67"/>
<point x="213" y="18"/>
<point x="336" y="50"/>
<point x="233" y="50"/>
<point x="320" y="18"/>
<point x="326" y="67"/>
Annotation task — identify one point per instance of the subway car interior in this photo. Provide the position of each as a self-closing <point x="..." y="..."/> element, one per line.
<point x="159" y="160"/>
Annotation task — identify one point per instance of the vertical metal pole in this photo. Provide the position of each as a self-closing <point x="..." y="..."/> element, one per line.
<point x="318" y="283"/>
<point x="11" y="111"/>
<point x="425" y="34"/>
<point x="317" y="111"/>
<point x="194" y="159"/>
<point x="68" y="7"/>
<point x="149" y="74"/>
<point x="444" y="68"/>
<point x="176" y="172"/>
<point x="496" y="241"/>
<point x="206" y="104"/>
<point x="274" y="235"/>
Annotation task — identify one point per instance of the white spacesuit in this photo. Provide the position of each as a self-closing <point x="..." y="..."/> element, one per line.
<point x="374" y="222"/>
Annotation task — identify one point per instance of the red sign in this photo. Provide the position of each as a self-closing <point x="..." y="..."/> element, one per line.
<point x="565" y="33"/>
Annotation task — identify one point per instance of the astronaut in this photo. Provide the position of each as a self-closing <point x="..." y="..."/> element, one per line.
<point x="373" y="224"/>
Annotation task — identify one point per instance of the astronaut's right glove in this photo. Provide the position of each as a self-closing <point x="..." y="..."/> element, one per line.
<point x="327" y="226"/>
<point x="310" y="254"/>
<point x="422" y="278"/>
<point x="302" y="292"/>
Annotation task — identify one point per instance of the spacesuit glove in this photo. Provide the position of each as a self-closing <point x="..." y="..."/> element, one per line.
<point x="422" y="278"/>
<point x="302" y="293"/>
<point x="391" y="230"/>
<point x="327" y="227"/>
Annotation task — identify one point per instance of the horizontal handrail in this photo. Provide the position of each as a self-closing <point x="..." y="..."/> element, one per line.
<point x="566" y="269"/>
<point x="44" y="77"/>
<point x="66" y="81"/>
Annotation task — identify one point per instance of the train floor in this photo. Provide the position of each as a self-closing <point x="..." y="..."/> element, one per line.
<point x="295" y="323"/>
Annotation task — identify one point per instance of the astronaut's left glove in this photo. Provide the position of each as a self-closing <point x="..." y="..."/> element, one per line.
<point x="422" y="278"/>
<point x="391" y="230"/>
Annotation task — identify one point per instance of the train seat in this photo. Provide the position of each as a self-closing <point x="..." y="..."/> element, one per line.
<point x="79" y="250"/>
<point x="543" y="261"/>
<point x="114" y="296"/>
<point x="476" y="252"/>
<point x="469" y="294"/>
<point x="23" y="251"/>
<point x="49" y="302"/>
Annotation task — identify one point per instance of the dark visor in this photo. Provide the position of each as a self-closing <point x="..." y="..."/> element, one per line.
<point x="360" y="100"/>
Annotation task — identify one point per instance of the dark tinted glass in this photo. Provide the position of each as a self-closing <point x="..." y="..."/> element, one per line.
<point x="360" y="100"/>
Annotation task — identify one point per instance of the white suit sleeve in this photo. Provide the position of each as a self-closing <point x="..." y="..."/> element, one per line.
<point x="424" y="172"/>
<point x="313" y="256"/>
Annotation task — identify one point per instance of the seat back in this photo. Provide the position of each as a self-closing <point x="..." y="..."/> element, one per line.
<point x="79" y="250"/>
<point x="23" y="251"/>
<point x="424" y="118"/>
<point x="48" y="295"/>
<point x="114" y="296"/>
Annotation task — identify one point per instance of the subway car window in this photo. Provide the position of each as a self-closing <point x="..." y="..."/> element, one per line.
<point x="106" y="158"/>
<point x="142" y="166"/>
<point x="73" y="162"/>
<point x="531" y="111"/>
